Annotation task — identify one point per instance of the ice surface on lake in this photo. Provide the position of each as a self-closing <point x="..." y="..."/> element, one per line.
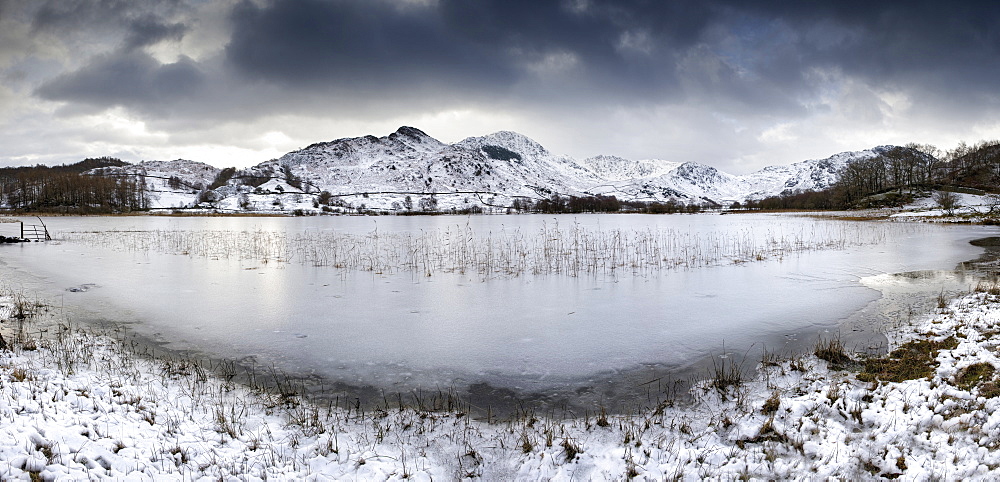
<point x="406" y="330"/>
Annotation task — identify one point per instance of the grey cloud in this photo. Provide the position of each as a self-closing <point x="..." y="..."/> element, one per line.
<point x="750" y="61"/>
<point x="351" y="44"/>
<point x="483" y="46"/>
<point x="950" y="47"/>
<point x="149" y="30"/>
<point x="136" y="24"/>
<point x="382" y="55"/>
<point x="87" y="14"/>
<point x="764" y="51"/>
<point x="132" y="79"/>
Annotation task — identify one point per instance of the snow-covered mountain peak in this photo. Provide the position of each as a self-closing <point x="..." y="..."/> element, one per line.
<point x="410" y="135"/>
<point x="406" y="143"/>
<point x="696" y="170"/>
<point x="508" y="140"/>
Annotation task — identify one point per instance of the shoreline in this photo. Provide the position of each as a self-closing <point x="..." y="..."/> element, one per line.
<point x="486" y="399"/>
<point x="81" y="404"/>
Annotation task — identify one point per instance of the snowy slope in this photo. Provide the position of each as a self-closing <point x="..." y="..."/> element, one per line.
<point x="693" y="182"/>
<point x="614" y="168"/>
<point x="190" y="178"/>
<point x="803" y="176"/>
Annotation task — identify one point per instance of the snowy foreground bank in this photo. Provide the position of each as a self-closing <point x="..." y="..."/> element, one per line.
<point x="76" y="405"/>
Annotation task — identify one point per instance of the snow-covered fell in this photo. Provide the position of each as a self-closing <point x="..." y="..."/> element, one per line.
<point x="169" y="184"/>
<point x="191" y="174"/>
<point x="492" y="170"/>
<point x="512" y="164"/>
<point x="693" y="182"/>
<point x="409" y="161"/>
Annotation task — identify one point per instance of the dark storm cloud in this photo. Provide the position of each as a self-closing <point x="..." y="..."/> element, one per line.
<point x="148" y="30"/>
<point x="950" y="47"/>
<point x="737" y="57"/>
<point x="327" y="43"/>
<point x="484" y="45"/>
<point x="132" y="79"/>
<point x="141" y="23"/>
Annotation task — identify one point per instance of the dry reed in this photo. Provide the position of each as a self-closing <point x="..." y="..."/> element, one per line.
<point x="551" y="249"/>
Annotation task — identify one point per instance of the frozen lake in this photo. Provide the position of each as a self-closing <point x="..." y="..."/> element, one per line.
<point x="546" y="307"/>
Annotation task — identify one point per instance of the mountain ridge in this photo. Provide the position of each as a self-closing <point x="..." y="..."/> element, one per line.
<point x="379" y="172"/>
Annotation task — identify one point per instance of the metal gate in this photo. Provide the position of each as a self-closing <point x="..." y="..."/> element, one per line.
<point x="35" y="232"/>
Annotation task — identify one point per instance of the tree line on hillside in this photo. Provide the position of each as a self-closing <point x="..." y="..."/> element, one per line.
<point x="895" y="175"/>
<point x="67" y="189"/>
<point x="556" y="204"/>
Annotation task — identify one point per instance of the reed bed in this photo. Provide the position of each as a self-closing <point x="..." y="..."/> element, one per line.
<point x="550" y="250"/>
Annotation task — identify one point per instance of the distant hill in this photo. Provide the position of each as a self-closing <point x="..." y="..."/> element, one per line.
<point x="71" y="188"/>
<point x="77" y="167"/>
<point x="976" y="166"/>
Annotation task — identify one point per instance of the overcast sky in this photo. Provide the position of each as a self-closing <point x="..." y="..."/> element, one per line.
<point x="734" y="84"/>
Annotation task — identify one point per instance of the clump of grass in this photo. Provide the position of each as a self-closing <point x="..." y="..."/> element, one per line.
<point x="832" y="350"/>
<point x="974" y="374"/>
<point x="526" y="444"/>
<point x="23" y="308"/>
<point x="990" y="389"/>
<point x="772" y="404"/>
<point x="770" y="359"/>
<point x="833" y="393"/>
<point x="570" y="449"/>
<point x="725" y="374"/>
<point x="602" y="419"/>
<point x="767" y="433"/>
<point x="942" y="301"/>
<point x="19" y="374"/>
<point x="991" y="287"/>
<point x="913" y="360"/>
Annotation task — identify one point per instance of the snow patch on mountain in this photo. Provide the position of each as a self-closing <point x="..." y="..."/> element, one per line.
<point x="614" y="168"/>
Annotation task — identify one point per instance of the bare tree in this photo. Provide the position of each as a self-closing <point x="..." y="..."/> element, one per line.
<point x="992" y="201"/>
<point x="947" y="201"/>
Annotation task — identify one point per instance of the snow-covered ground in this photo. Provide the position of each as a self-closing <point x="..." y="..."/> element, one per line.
<point x="80" y="405"/>
<point x="927" y="207"/>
